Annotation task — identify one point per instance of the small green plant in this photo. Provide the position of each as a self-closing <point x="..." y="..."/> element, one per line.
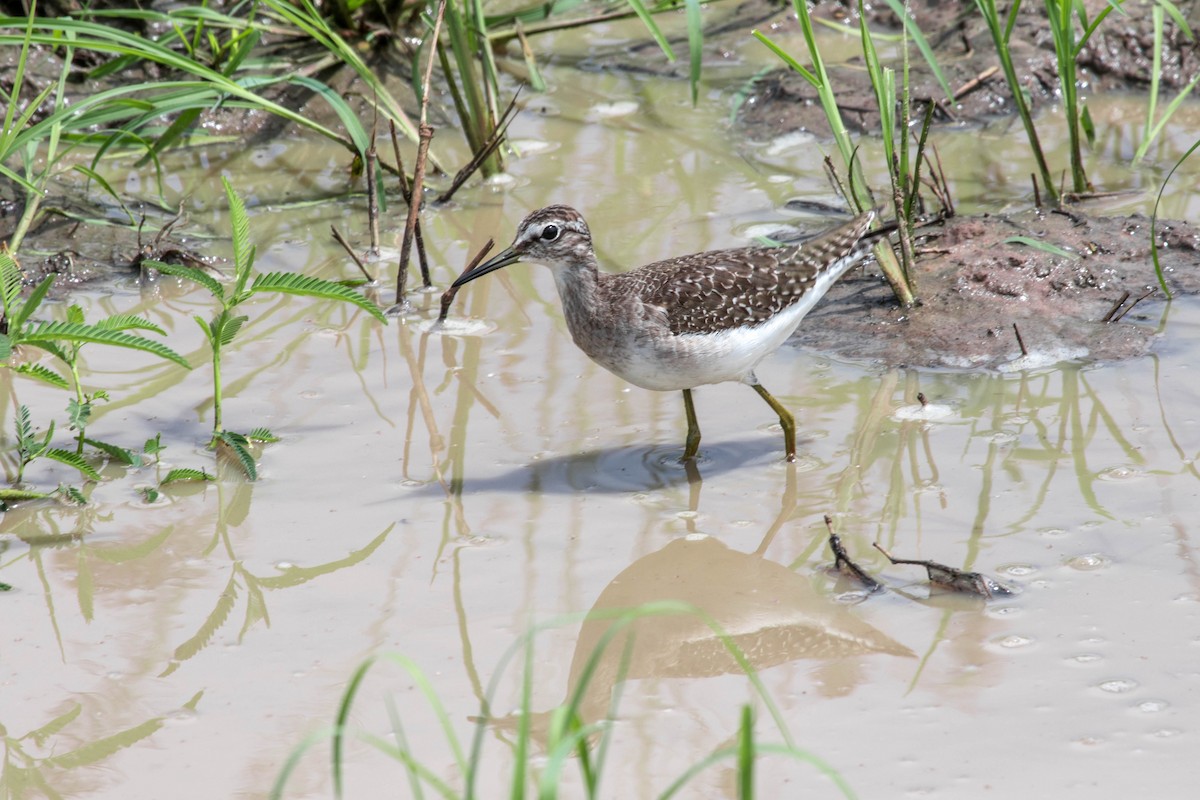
<point x="223" y="327"/>
<point x="1154" y="127"/>
<point x="31" y="446"/>
<point x="576" y="732"/>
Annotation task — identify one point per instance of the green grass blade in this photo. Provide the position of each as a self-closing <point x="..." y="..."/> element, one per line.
<point x="1038" y="244"/>
<point x="745" y="755"/>
<point x="1177" y="16"/>
<point x="922" y="43"/>
<point x="307" y="286"/>
<point x="656" y="33"/>
<point x="31" y="304"/>
<point x="695" y="28"/>
<point x="787" y="58"/>
<point x="1158" y="270"/>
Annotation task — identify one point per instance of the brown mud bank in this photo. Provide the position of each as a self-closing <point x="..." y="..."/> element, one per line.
<point x="976" y="280"/>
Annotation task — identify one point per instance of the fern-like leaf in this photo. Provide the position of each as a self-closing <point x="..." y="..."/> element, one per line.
<point x="308" y="286"/>
<point x="243" y="254"/>
<point x="185" y="474"/>
<point x="44" y="374"/>
<point x="53" y="332"/>
<point x="239" y="446"/>
<point x="192" y="274"/>
<point x="10" y="282"/>
<point x="72" y="460"/>
<point x="129" y="322"/>
<point x="226" y="326"/>
<point x="13" y="495"/>
<point x="72" y="494"/>
<point x="6" y="347"/>
<point x="116" y="452"/>
<point x="262" y="435"/>
<point x="23" y="425"/>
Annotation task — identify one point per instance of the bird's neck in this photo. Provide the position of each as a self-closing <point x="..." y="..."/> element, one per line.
<point x="579" y="289"/>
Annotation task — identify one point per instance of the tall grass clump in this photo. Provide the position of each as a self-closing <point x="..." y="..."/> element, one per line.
<point x="569" y="737"/>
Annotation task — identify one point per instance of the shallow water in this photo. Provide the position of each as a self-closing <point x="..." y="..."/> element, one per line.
<point x="437" y="492"/>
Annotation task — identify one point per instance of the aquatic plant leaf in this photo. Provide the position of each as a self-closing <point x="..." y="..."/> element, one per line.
<point x="73" y="494"/>
<point x="41" y="735"/>
<point x="189" y="273"/>
<point x="18" y="320"/>
<point x="1177" y="16"/>
<point x="72" y="460"/>
<point x="238" y="445"/>
<point x="922" y="45"/>
<point x="52" y="332"/>
<point x="129" y="322"/>
<point x="185" y="474"/>
<point x="43" y="373"/>
<point x="116" y="452"/>
<point x="307" y="286"/>
<point x="262" y="435"/>
<point x="5" y="347"/>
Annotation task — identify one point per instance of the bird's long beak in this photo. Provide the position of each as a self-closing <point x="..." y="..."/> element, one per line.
<point x="499" y="261"/>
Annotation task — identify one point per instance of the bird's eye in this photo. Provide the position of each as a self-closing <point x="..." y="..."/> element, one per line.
<point x="550" y="233"/>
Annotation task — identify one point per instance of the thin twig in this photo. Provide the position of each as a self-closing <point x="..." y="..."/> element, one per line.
<point x="372" y="196"/>
<point x="448" y="295"/>
<point x="1020" y="341"/>
<point x="424" y="134"/>
<point x="406" y="191"/>
<point x="975" y="82"/>
<point x="1121" y="316"/>
<point x="337" y="235"/>
<point x="488" y="148"/>
<point x="1116" y="307"/>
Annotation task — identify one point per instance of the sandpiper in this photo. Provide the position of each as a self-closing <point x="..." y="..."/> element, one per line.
<point x="691" y="320"/>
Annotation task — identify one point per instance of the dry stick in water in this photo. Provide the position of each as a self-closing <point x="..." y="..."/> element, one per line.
<point x="842" y="562"/>
<point x="953" y="578"/>
<point x="337" y="236"/>
<point x="406" y="191"/>
<point x="372" y="197"/>
<point x="424" y="134"/>
<point x="448" y="295"/>
<point x="488" y="148"/>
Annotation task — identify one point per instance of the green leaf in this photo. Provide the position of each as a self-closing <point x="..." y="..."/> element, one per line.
<point x="185" y="474"/>
<point x="72" y="460"/>
<point x="73" y="495"/>
<point x="307" y="286"/>
<point x="922" y="44"/>
<point x="116" y="452"/>
<point x="149" y="494"/>
<point x="6" y="347"/>
<point x="78" y="413"/>
<point x="1089" y="127"/>
<point x="53" y="332"/>
<point x="10" y="282"/>
<point x="30" y="305"/>
<point x="243" y="256"/>
<point x="262" y="435"/>
<point x="225" y="327"/>
<point x="129" y="322"/>
<point x="1178" y="17"/>
<point x="1038" y="244"/>
<point x="154" y="446"/>
<point x="21" y="494"/>
<point x="189" y="273"/>
<point x="238" y="444"/>
<point x="44" y="374"/>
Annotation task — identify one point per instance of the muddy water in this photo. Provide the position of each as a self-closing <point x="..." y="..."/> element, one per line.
<point x="435" y="494"/>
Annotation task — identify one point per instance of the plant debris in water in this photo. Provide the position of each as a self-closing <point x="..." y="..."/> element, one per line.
<point x="843" y="563"/>
<point x="955" y="579"/>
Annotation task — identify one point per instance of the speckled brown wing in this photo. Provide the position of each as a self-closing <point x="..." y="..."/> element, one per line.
<point x="720" y="289"/>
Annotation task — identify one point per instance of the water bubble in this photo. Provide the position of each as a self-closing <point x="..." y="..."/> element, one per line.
<point x="1089" y="562"/>
<point x="1013" y="641"/>
<point x="1152" y="706"/>
<point x="1017" y="570"/>
<point x="1087" y="658"/>
<point x="1118" y="685"/>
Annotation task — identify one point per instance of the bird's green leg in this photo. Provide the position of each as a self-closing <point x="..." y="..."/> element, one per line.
<point x="785" y="419"/>
<point x="693" y="434"/>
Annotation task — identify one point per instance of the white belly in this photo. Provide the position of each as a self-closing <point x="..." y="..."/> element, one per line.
<point x="681" y="362"/>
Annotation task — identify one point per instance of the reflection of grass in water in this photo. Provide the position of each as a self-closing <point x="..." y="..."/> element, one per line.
<point x="564" y="734"/>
